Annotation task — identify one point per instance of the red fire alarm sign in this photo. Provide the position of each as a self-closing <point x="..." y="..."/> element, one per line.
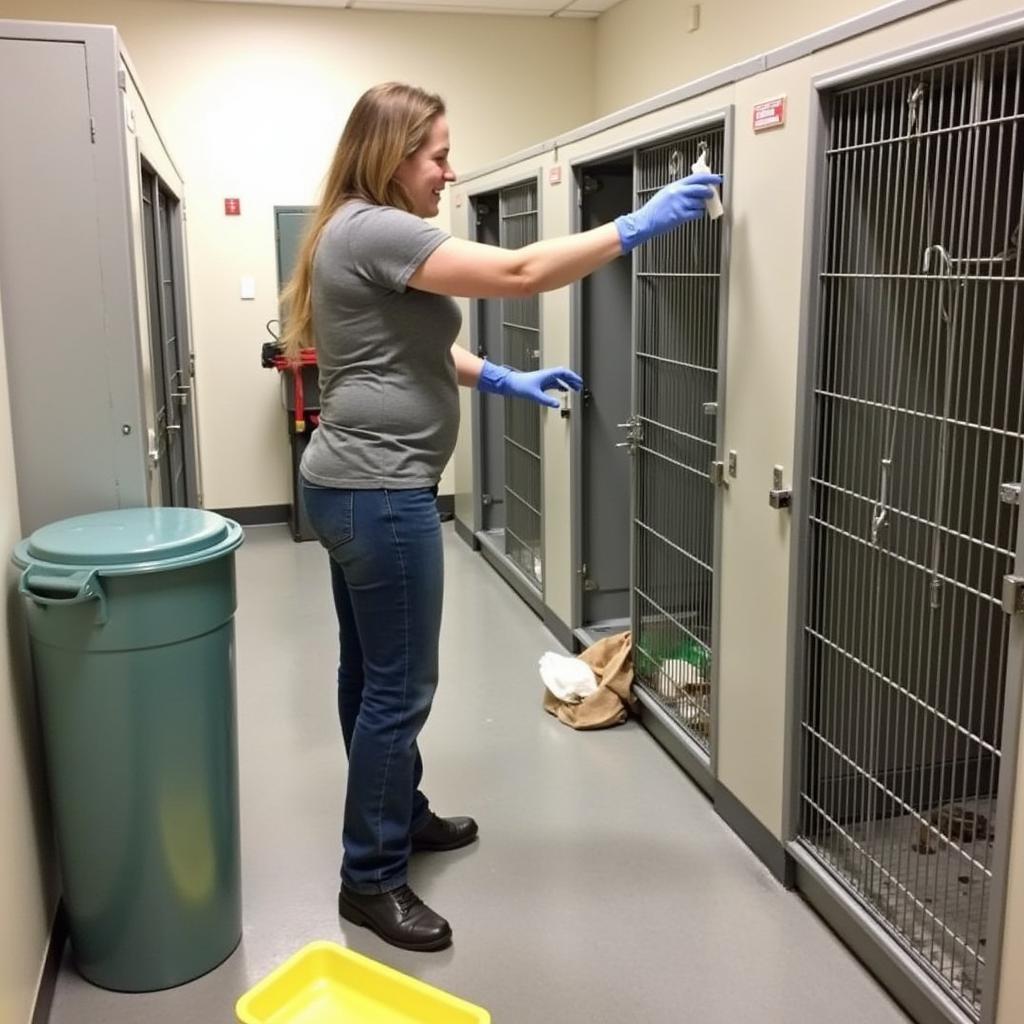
<point x="770" y="114"/>
<point x="232" y="207"/>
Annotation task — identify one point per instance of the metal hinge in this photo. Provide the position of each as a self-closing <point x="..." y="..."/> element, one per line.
<point x="92" y="130"/>
<point x="122" y="80"/>
<point x="634" y="433"/>
<point x="1009" y="494"/>
<point x="1013" y="595"/>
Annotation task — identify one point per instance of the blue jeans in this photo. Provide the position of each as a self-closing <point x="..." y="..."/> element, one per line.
<point x="387" y="573"/>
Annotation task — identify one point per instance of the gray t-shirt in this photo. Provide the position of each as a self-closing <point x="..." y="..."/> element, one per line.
<point x="389" y="402"/>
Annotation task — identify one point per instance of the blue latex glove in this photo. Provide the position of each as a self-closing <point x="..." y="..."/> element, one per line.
<point x="503" y="380"/>
<point x="675" y="204"/>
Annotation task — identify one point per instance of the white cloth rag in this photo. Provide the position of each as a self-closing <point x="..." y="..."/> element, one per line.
<point x="569" y="679"/>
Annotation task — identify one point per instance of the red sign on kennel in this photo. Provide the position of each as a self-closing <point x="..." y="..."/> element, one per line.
<point x="770" y="114"/>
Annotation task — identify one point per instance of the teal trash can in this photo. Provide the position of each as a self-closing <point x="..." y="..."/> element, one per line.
<point x="131" y="620"/>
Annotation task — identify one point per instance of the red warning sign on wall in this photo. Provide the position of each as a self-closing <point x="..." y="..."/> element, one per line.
<point x="770" y="114"/>
<point x="232" y="207"/>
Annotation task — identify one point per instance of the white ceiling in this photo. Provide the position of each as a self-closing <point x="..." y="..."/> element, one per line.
<point x="535" y="8"/>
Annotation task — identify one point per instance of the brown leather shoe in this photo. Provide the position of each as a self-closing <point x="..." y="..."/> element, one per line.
<point x="444" y="834"/>
<point x="399" y="917"/>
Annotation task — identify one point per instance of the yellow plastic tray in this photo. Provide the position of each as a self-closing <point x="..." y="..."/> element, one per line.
<point x="324" y="983"/>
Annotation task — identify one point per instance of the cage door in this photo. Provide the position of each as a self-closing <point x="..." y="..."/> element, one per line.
<point x="677" y="391"/>
<point x="918" y="423"/>
<point x="520" y="332"/>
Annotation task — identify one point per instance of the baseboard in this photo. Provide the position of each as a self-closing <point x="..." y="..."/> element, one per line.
<point x="466" y="535"/>
<point x="760" y="840"/>
<point x="513" y="576"/>
<point x="257" y="515"/>
<point x="51" y="967"/>
<point x="676" y="744"/>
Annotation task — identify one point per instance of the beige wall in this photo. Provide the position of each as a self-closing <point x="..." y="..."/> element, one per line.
<point x="645" y="47"/>
<point x="251" y="100"/>
<point x="26" y="856"/>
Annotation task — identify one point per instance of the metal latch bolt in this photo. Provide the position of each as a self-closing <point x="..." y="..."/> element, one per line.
<point x="634" y="433"/>
<point x="1009" y="494"/>
<point x="1013" y="595"/>
<point x="716" y="474"/>
<point x="779" y="496"/>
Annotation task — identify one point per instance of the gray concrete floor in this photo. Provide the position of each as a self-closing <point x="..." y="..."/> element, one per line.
<point x="604" y="888"/>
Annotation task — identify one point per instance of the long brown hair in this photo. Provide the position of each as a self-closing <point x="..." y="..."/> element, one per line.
<point x="388" y="123"/>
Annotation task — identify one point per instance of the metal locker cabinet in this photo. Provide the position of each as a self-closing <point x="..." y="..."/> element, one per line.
<point x="82" y="323"/>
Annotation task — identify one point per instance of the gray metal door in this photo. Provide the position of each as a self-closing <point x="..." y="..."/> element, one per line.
<point x="520" y="334"/>
<point x="606" y="317"/>
<point x="676" y="466"/>
<point x="171" y="358"/>
<point x="290" y="226"/>
<point x="917" y="424"/>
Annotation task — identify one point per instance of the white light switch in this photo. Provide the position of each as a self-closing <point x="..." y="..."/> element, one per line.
<point x="248" y="287"/>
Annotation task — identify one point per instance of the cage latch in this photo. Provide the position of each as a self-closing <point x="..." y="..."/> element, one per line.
<point x="1013" y="595"/>
<point x="779" y="496"/>
<point x="1009" y="494"/>
<point x="634" y="433"/>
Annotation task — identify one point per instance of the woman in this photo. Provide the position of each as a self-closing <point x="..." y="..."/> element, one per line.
<point x="373" y="287"/>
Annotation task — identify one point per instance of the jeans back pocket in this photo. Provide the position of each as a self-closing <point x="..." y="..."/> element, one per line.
<point x="330" y="512"/>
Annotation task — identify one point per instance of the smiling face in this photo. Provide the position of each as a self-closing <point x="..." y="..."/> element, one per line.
<point x="425" y="174"/>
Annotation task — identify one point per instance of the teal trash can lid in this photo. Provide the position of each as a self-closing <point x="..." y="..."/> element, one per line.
<point x="132" y="540"/>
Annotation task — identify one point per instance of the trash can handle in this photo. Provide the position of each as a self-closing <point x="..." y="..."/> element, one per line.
<point x="46" y="587"/>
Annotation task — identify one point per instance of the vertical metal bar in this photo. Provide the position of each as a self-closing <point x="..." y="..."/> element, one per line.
<point x="946" y="610"/>
<point x="919" y="429"/>
<point x="873" y="649"/>
<point x="861" y="589"/>
<point x="842" y="683"/>
<point x="888" y="298"/>
<point x="980" y="155"/>
<point x="901" y="526"/>
<point x="929" y="329"/>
